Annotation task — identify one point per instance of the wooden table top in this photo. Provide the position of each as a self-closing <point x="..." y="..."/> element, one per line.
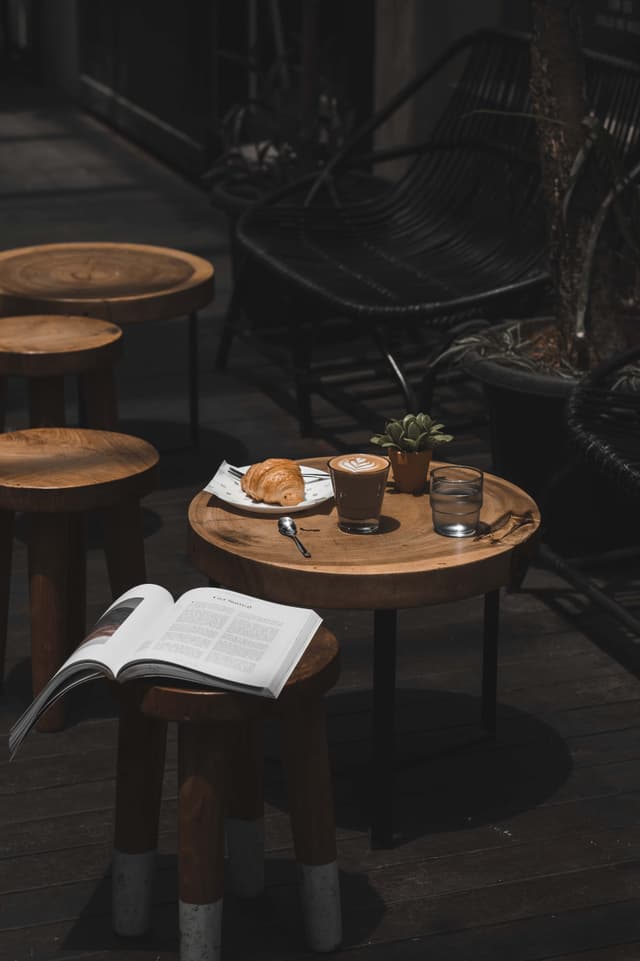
<point x="406" y="564"/>
<point x="120" y="282"/>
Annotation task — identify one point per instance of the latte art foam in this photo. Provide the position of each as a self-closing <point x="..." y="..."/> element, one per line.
<point x="356" y="465"/>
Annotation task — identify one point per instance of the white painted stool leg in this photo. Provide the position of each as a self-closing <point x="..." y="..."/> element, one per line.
<point x="312" y="821"/>
<point x="245" y="847"/>
<point x="131" y="886"/>
<point x="320" y="897"/>
<point x="200" y="931"/>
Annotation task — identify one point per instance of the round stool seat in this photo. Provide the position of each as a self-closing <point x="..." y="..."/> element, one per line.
<point x="46" y="346"/>
<point x="316" y="672"/>
<point x="64" y="469"/>
<point x="119" y="282"/>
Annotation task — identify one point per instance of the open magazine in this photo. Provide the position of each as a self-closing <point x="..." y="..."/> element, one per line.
<point x="209" y="636"/>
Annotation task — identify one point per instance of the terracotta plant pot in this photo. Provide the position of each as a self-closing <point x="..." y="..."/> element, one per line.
<point x="410" y="469"/>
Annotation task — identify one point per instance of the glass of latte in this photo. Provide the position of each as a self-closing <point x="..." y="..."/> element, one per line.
<point x="358" y="484"/>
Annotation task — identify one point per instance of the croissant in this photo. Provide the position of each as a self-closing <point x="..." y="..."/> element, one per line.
<point x="274" y="481"/>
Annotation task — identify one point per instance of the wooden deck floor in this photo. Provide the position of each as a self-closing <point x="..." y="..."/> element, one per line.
<point x="521" y="849"/>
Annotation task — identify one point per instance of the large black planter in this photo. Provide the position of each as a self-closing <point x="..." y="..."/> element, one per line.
<point x="530" y="446"/>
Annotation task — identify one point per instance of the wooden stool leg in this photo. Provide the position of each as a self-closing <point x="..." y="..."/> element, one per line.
<point x="46" y="402"/>
<point x="77" y="597"/>
<point x="194" y="388"/>
<point x="98" y="390"/>
<point x="245" y="811"/>
<point x="3" y="403"/>
<point x="312" y="821"/>
<point x="201" y="773"/>
<point x="124" y="546"/>
<point x="141" y="750"/>
<point x="6" y="547"/>
<point x="50" y="584"/>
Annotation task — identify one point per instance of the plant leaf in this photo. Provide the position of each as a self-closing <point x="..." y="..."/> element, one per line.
<point x="423" y="442"/>
<point x="394" y="430"/>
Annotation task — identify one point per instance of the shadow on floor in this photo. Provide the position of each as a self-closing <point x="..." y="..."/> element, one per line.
<point x="449" y="776"/>
<point x="268" y="927"/>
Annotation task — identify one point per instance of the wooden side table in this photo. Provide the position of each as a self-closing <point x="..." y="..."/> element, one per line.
<point x="117" y="282"/>
<point x="405" y="565"/>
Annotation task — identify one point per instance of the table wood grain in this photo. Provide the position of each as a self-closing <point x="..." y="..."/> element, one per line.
<point x="406" y="564"/>
<point x="119" y="282"/>
<point x="52" y="346"/>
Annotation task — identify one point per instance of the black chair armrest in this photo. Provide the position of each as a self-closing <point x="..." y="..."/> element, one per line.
<point x="404" y="94"/>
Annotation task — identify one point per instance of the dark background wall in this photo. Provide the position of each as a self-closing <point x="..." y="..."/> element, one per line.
<point x="149" y="68"/>
<point x="166" y="73"/>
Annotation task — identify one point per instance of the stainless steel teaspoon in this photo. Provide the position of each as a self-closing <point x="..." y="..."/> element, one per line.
<point x="286" y="526"/>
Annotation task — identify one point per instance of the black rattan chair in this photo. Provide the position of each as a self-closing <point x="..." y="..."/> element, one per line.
<point x="460" y="229"/>
<point x="461" y="234"/>
<point x="603" y="423"/>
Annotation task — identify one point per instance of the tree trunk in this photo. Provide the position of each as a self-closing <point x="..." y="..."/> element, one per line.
<point x="558" y="101"/>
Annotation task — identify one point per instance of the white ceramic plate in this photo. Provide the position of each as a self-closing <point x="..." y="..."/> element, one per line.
<point x="227" y="487"/>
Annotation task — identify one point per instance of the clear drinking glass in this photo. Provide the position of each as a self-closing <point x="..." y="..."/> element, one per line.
<point x="456" y="499"/>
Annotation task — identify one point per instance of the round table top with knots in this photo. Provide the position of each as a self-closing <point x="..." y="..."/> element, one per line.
<point x="46" y="346"/>
<point x="406" y="564"/>
<point x="120" y="282"/>
<point x="72" y="469"/>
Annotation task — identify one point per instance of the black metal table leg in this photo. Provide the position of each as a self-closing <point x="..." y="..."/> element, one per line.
<point x="490" y="660"/>
<point x="301" y="342"/>
<point x="230" y="328"/>
<point x="194" y="411"/>
<point x="383" y="735"/>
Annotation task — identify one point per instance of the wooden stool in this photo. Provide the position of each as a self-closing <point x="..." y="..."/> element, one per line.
<point x="45" y="349"/>
<point x="119" y="282"/>
<point x="220" y="771"/>
<point x="55" y="475"/>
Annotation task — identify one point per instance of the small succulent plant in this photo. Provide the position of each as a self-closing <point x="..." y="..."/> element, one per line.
<point x="413" y="432"/>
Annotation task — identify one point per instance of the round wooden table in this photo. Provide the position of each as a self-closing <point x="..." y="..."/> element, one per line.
<point x="406" y="564"/>
<point x="117" y="282"/>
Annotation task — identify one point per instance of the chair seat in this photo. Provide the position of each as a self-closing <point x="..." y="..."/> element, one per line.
<point x="380" y="258"/>
<point x="46" y="346"/>
<point x="64" y="469"/>
<point x="120" y="282"/>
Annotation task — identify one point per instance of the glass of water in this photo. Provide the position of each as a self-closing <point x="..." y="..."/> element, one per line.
<point x="456" y="499"/>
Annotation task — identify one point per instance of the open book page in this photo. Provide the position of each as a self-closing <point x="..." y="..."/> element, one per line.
<point x="219" y="634"/>
<point x="103" y="651"/>
<point x="136" y="614"/>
